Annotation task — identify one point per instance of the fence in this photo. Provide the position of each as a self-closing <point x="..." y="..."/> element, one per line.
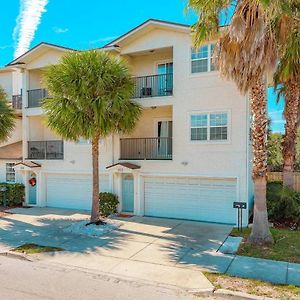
<point x="277" y="176"/>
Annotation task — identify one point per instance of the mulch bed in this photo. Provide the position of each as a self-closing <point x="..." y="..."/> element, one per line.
<point x="124" y="216"/>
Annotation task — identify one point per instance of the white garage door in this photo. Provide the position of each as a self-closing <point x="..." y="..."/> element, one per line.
<point x="72" y="191"/>
<point x="191" y="198"/>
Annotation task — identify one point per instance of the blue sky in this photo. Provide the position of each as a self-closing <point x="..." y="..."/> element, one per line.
<point x="92" y="23"/>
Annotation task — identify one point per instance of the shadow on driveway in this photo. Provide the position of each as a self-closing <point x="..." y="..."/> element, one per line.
<point x="142" y="239"/>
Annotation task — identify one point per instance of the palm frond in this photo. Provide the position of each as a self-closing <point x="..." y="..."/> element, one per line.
<point x="7" y="117"/>
<point x="91" y="94"/>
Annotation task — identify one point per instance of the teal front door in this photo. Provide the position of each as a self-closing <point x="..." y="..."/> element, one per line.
<point x="32" y="191"/>
<point x="127" y="193"/>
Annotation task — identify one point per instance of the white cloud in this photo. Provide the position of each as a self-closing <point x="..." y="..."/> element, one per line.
<point x="60" y="30"/>
<point x="104" y="39"/>
<point x="27" y="23"/>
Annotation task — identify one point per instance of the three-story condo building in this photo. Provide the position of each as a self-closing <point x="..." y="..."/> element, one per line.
<point x="189" y="154"/>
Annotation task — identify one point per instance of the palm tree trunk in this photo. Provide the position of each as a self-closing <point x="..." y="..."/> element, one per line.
<point x="95" y="198"/>
<point x="291" y="113"/>
<point x="260" y="233"/>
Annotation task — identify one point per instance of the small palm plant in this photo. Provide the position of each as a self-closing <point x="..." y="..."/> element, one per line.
<point x="7" y="117"/>
<point x="91" y="99"/>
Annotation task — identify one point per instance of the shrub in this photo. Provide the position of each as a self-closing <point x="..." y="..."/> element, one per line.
<point x="14" y="195"/>
<point x="283" y="203"/>
<point x="108" y="203"/>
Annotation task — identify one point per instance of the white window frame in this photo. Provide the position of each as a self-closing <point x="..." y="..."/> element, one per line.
<point x="208" y="140"/>
<point x="209" y="53"/>
<point x="10" y="172"/>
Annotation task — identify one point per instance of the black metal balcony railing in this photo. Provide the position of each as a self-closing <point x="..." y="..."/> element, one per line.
<point x="153" y="86"/>
<point x="36" y="96"/>
<point x="46" y="150"/>
<point x="158" y="148"/>
<point x="17" y="101"/>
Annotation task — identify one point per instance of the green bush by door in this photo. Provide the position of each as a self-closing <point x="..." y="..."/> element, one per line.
<point x="108" y="204"/>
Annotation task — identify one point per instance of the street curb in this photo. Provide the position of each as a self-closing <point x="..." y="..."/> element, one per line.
<point x="239" y="295"/>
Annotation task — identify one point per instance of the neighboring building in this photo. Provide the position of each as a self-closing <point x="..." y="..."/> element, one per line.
<point x="11" y="150"/>
<point x="189" y="154"/>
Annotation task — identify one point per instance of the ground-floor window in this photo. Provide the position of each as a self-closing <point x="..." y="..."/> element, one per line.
<point x="10" y="172"/>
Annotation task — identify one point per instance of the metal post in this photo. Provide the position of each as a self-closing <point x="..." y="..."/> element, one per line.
<point x="241" y="219"/>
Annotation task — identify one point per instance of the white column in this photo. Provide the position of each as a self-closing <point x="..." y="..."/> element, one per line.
<point x="118" y="189"/>
<point x="25" y="120"/>
<point x="138" y="195"/>
<point x="41" y="189"/>
<point x="26" y="178"/>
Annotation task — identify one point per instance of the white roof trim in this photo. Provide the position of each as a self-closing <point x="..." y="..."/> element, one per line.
<point x="146" y="24"/>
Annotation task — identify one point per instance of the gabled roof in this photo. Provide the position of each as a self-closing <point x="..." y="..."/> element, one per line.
<point x="11" y="151"/>
<point x="26" y="165"/>
<point x="148" y="23"/>
<point x="19" y="60"/>
<point x="125" y="165"/>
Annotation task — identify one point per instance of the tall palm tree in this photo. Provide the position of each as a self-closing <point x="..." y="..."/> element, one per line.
<point x="284" y="17"/>
<point x="91" y="98"/>
<point x="7" y="117"/>
<point x="245" y="53"/>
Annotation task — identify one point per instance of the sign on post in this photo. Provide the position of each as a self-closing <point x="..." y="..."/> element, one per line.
<point x="240" y="206"/>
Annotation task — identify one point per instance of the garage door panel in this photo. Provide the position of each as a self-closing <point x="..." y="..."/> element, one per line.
<point x="190" y="198"/>
<point x="72" y="191"/>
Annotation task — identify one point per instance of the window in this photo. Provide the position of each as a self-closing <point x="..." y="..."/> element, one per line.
<point x="10" y="172"/>
<point x="83" y="141"/>
<point x="209" y="127"/>
<point x="202" y="59"/>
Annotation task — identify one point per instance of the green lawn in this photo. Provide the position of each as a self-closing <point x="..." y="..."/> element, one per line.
<point x="254" y="287"/>
<point x="286" y="245"/>
<point x="33" y="249"/>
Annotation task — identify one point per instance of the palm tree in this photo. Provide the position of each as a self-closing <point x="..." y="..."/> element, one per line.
<point x="284" y="17"/>
<point x="91" y="99"/>
<point x="7" y="117"/>
<point x="246" y="51"/>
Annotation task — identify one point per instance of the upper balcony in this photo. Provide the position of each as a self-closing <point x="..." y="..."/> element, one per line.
<point x="152" y="138"/>
<point x="153" y="86"/>
<point x="36" y="96"/>
<point x="152" y="72"/>
<point x="49" y="150"/>
<point x="17" y="102"/>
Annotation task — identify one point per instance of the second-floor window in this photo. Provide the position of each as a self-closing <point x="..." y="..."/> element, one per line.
<point x="209" y="127"/>
<point x="201" y="59"/>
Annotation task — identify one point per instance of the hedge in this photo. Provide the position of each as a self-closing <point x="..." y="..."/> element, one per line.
<point x="14" y="195"/>
<point x="283" y="203"/>
<point x="108" y="204"/>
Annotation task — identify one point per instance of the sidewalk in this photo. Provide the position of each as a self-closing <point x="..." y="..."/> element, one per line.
<point x="278" y="272"/>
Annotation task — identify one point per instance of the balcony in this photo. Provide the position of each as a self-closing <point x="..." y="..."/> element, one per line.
<point x="153" y="86"/>
<point x="51" y="150"/>
<point x="157" y="148"/>
<point x="17" y="101"/>
<point x="36" y="96"/>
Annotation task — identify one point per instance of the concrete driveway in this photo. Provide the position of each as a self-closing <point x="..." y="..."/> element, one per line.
<point x="165" y="251"/>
